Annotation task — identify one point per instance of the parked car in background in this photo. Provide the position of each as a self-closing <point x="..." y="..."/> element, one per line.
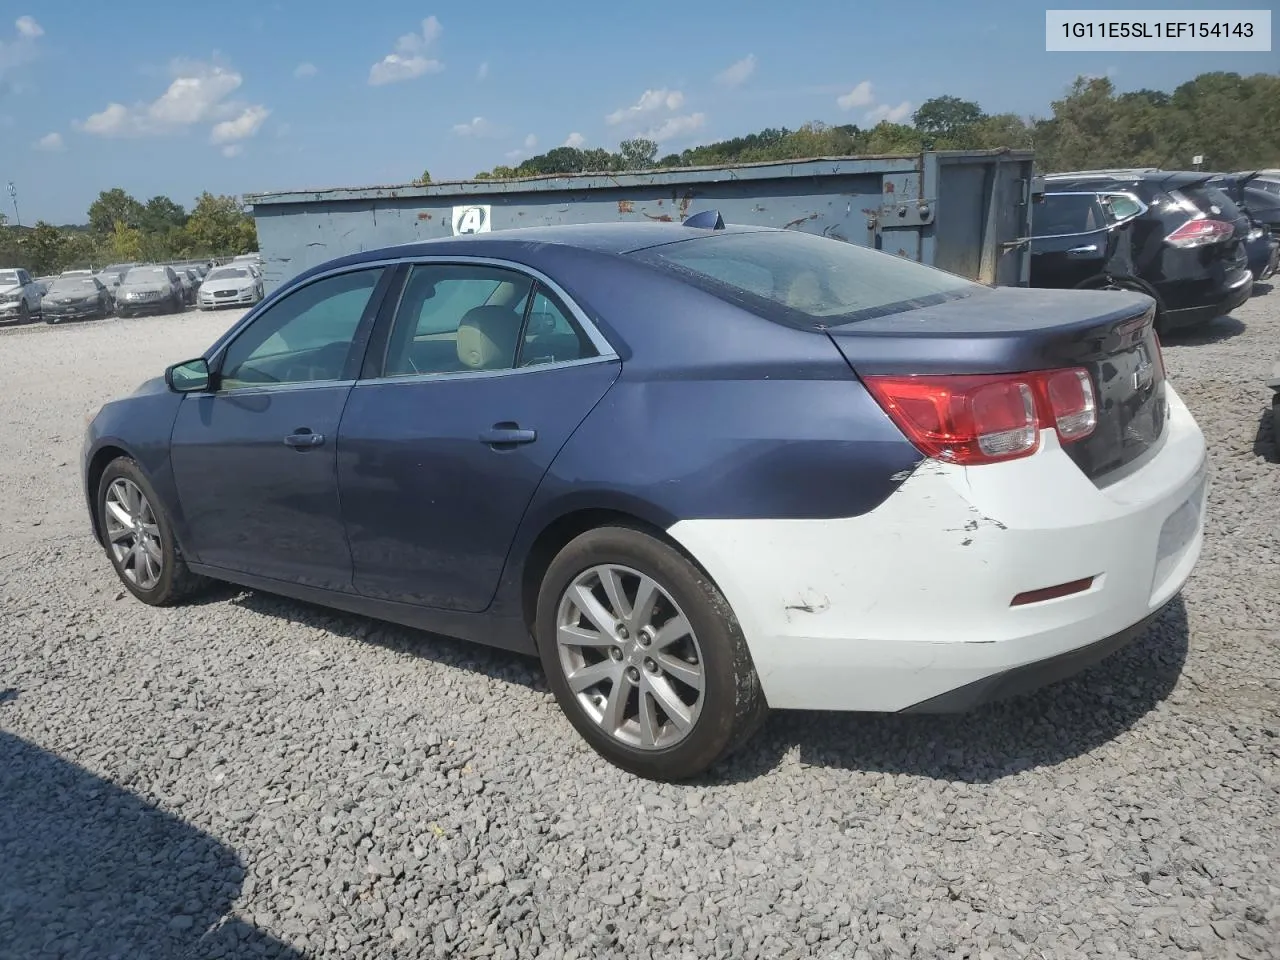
<point x="1170" y="235"/>
<point x="153" y="288"/>
<point x="112" y="275"/>
<point x="184" y="283"/>
<point x="1262" y="244"/>
<point x="20" y="295"/>
<point x="230" y="286"/>
<point x="76" y="297"/>
<point x="848" y="481"/>
<point x="1261" y="195"/>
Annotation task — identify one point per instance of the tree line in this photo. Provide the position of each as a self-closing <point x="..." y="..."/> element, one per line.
<point x="1232" y="121"/>
<point x="122" y="229"/>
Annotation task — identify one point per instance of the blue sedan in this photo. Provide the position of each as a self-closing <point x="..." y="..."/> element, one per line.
<point x="700" y="471"/>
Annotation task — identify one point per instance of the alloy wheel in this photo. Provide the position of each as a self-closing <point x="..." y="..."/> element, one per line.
<point x="133" y="533"/>
<point x="630" y="656"/>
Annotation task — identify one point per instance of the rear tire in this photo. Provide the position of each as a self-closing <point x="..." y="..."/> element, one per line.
<point x="161" y="577"/>
<point x="649" y="734"/>
<point x="24" y="313"/>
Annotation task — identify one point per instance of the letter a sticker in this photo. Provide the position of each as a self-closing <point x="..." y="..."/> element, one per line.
<point x="470" y="219"/>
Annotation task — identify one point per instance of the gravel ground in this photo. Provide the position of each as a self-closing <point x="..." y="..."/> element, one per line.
<point x="254" y="777"/>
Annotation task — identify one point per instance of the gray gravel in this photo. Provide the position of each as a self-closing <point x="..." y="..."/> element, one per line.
<point x="250" y="776"/>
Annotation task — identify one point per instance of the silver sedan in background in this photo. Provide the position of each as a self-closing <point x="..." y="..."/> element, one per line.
<point x="233" y="285"/>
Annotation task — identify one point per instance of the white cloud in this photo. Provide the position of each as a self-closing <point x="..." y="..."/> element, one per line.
<point x="232" y="150"/>
<point x="893" y="114"/>
<point x="736" y="74"/>
<point x="859" y="96"/>
<point x="483" y="72"/>
<point x="476" y="127"/>
<point x="197" y="94"/>
<point x="51" y="142"/>
<point x="674" y="127"/>
<point x="241" y="127"/>
<point x="575" y="140"/>
<point x="530" y="142"/>
<point x="20" y="50"/>
<point x="409" y="60"/>
<point x="651" y="101"/>
<point x="304" y="70"/>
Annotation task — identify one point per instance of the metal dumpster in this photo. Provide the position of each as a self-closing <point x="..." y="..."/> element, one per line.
<point x="964" y="211"/>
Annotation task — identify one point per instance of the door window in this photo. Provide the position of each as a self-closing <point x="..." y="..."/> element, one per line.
<point x="456" y="318"/>
<point x="1122" y="206"/>
<point x="1061" y="214"/>
<point x="305" y="337"/>
<point x="550" y="335"/>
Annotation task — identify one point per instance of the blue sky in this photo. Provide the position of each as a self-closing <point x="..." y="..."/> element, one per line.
<point x="160" y="99"/>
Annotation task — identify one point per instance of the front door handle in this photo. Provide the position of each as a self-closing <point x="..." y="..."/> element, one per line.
<point x="507" y="435"/>
<point x="1088" y="250"/>
<point x="304" y="440"/>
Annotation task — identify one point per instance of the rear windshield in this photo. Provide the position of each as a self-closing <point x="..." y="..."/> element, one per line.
<point x="805" y="280"/>
<point x="1211" y="200"/>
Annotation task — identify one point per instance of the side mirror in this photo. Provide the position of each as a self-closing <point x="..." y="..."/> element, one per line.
<point x="192" y="376"/>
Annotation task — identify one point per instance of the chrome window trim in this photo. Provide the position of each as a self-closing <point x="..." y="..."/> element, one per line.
<point x="452" y="375"/>
<point x="1097" y="195"/>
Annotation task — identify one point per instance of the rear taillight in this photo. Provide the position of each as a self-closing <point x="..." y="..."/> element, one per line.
<point x="1200" y="233"/>
<point x="973" y="420"/>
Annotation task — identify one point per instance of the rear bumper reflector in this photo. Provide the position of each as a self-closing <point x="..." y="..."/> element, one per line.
<point x="1051" y="593"/>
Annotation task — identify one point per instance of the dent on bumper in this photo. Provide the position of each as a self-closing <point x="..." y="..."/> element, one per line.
<point x="912" y="601"/>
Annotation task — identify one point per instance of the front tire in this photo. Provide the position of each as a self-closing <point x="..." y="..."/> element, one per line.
<point x="645" y="656"/>
<point x="139" y="537"/>
<point x="24" y="313"/>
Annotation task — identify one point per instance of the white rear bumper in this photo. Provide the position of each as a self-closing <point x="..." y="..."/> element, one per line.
<point x="912" y="600"/>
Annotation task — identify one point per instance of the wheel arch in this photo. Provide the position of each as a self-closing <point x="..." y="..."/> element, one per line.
<point x="1137" y="284"/>
<point x="108" y="452"/>
<point x="556" y="533"/>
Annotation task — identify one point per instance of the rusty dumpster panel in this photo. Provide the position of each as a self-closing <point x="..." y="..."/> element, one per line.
<point x="936" y="208"/>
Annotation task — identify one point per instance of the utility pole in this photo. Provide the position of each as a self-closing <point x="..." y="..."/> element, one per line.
<point x="13" y="193"/>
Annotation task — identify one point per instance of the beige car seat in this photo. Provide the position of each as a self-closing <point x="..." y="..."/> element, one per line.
<point x="487" y="338"/>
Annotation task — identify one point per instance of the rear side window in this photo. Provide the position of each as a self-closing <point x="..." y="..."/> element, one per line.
<point x="800" y="279"/>
<point x="1062" y="214"/>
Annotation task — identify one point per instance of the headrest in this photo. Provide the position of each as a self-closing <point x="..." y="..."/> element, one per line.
<point x="487" y="338"/>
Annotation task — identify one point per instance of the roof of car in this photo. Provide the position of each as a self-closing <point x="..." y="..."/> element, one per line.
<point x="1169" y="179"/>
<point x="614" y="238"/>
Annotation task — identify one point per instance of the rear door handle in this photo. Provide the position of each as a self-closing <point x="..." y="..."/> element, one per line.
<point x="1087" y="250"/>
<point x="304" y="440"/>
<point x="507" y="435"/>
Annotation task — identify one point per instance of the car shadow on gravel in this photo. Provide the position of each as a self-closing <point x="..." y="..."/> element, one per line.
<point x="87" y="869"/>
<point x="1264" y="442"/>
<point x="492" y="662"/>
<point x="1052" y="725"/>
<point x="1215" y="331"/>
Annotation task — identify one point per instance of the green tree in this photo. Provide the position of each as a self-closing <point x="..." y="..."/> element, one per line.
<point x="125" y="242"/>
<point x="161" y="215"/>
<point x="45" y="247"/>
<point x="219" y="226"/>
<point x="424" y="179"/>
<point x="114" y="206"/>
<point x="638" y="153"/>
<point x="949" y="119"/>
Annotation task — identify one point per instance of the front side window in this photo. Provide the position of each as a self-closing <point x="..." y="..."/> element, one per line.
<point x="456" y="318"/>
<point x="307" y="336"/>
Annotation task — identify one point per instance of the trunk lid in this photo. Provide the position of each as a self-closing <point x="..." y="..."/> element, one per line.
<point x="1017" y="330"/>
